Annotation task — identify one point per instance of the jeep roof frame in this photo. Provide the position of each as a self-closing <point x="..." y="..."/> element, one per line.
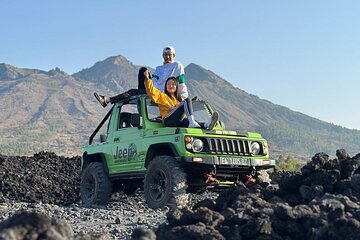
<point x="124" y="101"/>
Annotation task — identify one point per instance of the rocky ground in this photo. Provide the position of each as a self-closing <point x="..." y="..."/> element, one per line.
<point x="49" y="184"/>
<point x="39" y="199"/>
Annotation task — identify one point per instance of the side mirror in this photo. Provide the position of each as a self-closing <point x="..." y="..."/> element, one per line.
<point x="103" y="138"/>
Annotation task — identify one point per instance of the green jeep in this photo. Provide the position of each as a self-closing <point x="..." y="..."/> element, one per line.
<point x="168" y="162"/>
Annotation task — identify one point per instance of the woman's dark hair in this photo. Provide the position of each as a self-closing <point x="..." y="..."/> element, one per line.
<point x="177" y="88"/>
<point x="141" y="78"/>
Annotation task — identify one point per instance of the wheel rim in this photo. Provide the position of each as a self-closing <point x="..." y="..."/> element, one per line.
<point x="157" y="185"/>
<point x="89" y="187"/>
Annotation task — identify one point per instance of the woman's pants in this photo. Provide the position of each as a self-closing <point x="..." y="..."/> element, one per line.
<point x="178" y="117"/>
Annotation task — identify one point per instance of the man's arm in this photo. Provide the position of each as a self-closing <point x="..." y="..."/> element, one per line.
<point x="183" y="92"/>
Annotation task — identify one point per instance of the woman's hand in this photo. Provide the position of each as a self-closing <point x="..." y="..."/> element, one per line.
<point x="147" y="75"/>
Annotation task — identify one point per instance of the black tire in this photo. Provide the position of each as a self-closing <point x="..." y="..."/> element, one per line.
<point x="165" y="183"/>
<point x="95" y="186"/>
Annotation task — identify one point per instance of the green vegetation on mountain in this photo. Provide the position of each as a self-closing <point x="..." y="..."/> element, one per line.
<point x="289" y="164"/>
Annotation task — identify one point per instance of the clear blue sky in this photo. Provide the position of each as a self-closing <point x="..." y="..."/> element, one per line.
<point x="304" y="55"/>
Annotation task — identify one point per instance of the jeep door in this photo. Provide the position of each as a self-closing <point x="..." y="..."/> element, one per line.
<point x="127" y="146"/>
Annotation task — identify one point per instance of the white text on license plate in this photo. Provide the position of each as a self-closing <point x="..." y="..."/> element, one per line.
<point x="234" y="161"/>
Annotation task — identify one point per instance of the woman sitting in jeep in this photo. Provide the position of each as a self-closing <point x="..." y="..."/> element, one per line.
<point x="175" y="111"/>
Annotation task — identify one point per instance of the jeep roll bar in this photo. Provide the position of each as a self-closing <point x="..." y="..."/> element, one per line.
<point x="100" y="125"/>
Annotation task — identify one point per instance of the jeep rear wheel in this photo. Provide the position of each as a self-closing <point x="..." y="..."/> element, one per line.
<point x="165" y="183"/>
<point x="95" y="186"/>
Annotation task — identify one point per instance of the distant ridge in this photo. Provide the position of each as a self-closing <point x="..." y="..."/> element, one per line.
<point x="198" y="73"/>
<point x="8" y="72"/>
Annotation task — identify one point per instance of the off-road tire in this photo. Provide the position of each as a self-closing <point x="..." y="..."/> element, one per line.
<point x="165" y="183"/>
<point x="95" y="185"/>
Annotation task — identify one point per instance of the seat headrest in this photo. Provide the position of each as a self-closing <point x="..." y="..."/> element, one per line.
<point x="135" y="119"/>
<point x="125" y="119"/>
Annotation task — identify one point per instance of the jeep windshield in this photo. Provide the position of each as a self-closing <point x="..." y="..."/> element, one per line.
<point x="201" y="111"/>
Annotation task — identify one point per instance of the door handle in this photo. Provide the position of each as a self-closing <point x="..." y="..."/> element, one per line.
<point x="116" y="139"/>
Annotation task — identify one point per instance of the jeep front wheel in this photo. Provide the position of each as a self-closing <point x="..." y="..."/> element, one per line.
<point x="95" y="186"/>
<point x="165" y="183"/>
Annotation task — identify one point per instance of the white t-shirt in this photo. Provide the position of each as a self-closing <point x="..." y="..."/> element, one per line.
<point x="163" y="72"/>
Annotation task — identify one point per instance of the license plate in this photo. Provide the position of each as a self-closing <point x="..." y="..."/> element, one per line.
<point x="235" y="161"/>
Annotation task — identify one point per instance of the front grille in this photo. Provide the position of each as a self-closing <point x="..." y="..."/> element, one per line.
<point x="229" y="146"/>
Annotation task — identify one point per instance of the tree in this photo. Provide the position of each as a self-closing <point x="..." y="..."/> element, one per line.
<point x="289" y="164"/>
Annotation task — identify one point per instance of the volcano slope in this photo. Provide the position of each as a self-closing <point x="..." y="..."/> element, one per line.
<point x="321" y="202"/>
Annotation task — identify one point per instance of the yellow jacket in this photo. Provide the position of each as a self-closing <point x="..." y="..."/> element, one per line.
<point x="164" y="102"/>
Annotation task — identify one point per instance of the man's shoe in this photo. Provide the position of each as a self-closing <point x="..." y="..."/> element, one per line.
<point x="211" y="124"/>
<point x="101" y="99"/>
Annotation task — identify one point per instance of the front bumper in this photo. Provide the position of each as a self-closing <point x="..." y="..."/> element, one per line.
<point x="229" y="161"/>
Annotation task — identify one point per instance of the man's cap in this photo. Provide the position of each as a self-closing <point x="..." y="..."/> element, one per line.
<point x="169" y="49"/>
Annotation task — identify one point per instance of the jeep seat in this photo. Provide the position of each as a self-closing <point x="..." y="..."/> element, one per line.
<point x="135" y="120"/>
<point x="125" y="120"/>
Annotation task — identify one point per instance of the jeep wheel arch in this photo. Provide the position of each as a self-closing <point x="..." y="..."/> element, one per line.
<point x="95" y="157"/>
<point x="165" y="183"/>
<point x="164" y="149"/>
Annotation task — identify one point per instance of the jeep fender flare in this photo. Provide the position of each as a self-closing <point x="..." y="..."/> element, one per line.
<point x="160" y="149"/>
<point x="94" y="157"/>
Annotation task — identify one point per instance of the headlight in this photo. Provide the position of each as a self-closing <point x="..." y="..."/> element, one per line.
<point x="194" y="144"/>
<point x="197" y="145"/>
<point x="255" y="148"/>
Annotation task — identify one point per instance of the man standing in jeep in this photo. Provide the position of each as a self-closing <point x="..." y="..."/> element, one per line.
<point x="169" y="68"/>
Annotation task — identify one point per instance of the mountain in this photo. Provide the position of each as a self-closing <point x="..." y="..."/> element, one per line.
<point x="287" y="131"/>
<point x="54" y="111"/>
<point x="113" y="73"/>
<point x="8" y="72"/>
<point x="45" y="110"/>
